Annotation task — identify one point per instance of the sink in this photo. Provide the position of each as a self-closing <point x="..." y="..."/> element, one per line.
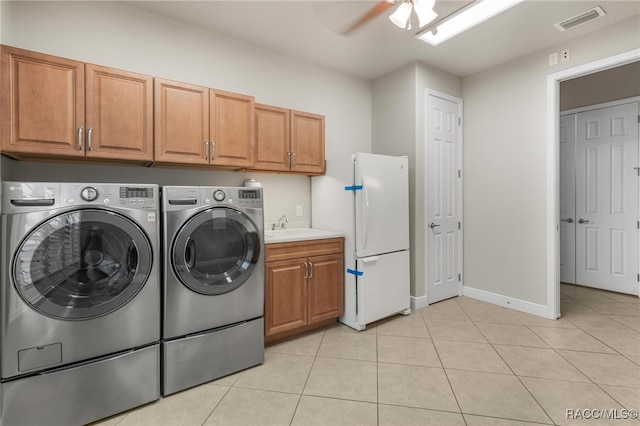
<point x="298" y="234"/>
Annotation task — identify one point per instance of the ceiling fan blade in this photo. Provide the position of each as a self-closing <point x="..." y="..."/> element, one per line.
<point x="372" y="13"/>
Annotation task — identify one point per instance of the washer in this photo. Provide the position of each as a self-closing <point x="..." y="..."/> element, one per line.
<point x="213" y="283"/>
<point x="80" y="309"/>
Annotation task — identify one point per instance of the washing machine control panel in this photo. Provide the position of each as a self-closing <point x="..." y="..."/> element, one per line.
<point x="89" y="193"/>
<point x="219" y="195"/>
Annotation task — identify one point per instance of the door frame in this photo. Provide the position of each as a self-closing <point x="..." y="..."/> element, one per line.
<point x="553" y="166"/>
<point x="459" y="102"/>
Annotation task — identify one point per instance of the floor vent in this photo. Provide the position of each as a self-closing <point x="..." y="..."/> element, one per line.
<point x="580" y="19"/>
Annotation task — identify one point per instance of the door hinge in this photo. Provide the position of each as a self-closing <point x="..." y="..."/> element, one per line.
<point x="637" y="169"/>
<point x="639" y="278"/>
<point x="638" y="224"/>
<point x="639" y="119"/>
<point x="459" y="225"/>
<point x="459" y="173"/>
<point x="460" y="121"/>
<point x="459" y="277"/>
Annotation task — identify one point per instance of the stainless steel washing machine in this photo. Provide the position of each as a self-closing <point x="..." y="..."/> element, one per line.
<point x="213" y="283"/>
<point x="80" y="301"/>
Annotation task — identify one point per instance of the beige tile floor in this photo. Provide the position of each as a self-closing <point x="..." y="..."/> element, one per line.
<point x="457" y="362"/>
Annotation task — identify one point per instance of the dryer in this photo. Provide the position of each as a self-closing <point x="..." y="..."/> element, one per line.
<point x="80" y="301"/>
<point x="213" y="278"/>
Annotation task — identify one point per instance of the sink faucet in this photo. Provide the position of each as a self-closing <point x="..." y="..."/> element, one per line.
<point x="282" y="222"/>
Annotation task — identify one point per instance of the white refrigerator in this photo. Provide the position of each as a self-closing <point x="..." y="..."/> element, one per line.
<point x="369" y="202"/>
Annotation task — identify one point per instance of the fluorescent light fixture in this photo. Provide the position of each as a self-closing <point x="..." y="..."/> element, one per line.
<point x="478" y="12"/>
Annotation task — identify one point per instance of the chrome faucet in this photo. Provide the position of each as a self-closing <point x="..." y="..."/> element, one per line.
<point x="282" y="222"/>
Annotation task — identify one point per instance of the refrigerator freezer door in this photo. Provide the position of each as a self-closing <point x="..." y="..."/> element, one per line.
<point x="382" y="205"/>
<point x="383" y="287"/>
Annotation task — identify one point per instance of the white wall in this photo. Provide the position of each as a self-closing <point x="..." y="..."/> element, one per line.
<point x="122" y="36"/>
<point x="505" y="165"/>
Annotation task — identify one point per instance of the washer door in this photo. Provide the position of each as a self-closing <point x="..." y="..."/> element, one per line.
<point x="82" y="264"/>
<point x="216" y="251"/>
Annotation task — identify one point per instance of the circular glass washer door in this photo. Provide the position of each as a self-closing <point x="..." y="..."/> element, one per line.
<point x="82" y="264"/>
<point x="216" y="251"/>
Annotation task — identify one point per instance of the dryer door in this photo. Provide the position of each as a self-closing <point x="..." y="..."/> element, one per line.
<point x="216" y="251"/>
<point x="82" y="264"/>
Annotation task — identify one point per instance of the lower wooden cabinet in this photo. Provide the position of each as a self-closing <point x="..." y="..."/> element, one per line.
<point x="304" y="286"/>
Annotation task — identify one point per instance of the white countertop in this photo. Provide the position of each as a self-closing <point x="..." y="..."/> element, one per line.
<point x="298" y="234"/>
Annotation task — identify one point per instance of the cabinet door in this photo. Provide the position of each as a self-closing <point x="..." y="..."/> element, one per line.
<point x="326" y="287"/>
<point x="307" y="142"/>
<point x="272" y="138"/>
<point x="231" y="132"/>
<point x="119" y="114"/>
<point x="181" y="116"/>
<point x="42" y="104"/>
<point x="285" y="296"/>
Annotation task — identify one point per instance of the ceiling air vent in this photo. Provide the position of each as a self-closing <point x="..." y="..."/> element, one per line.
<point x="580" y="19"/>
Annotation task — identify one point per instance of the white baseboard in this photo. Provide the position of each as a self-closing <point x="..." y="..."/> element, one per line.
<point x="419" y="302"/>
<point x="508" y="302"/>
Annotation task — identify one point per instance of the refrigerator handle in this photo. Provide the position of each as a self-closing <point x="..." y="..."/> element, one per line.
<point x="365" y="212"/>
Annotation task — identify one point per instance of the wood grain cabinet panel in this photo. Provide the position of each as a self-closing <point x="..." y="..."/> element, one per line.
<point x="272" y="138"/>
<point x="231" y="129"/>
<point x="199" y="125"/>
<point x="289" y="140"/>
<point x="304" y="286"/>
<point x="42" y="104"/>
<point x="57" y="107"/>
<point x="307" y="142"/>
<point x="181" y="113"/>
<point x="119" y="107"/>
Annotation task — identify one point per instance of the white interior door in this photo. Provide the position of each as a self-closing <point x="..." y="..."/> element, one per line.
<point x="607" y="198"/>
<point x="443" y="198"/>
<point x="568" y="198"/>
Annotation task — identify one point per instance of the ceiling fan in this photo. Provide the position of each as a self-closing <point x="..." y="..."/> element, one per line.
<point x="422" y="8"/>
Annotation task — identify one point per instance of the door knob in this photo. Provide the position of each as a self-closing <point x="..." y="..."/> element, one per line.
<point x="433" y="225"/>
<point x="570" y="220"/>
<point x="582" y="220"/>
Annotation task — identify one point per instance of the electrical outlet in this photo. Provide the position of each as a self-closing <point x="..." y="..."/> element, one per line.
<point x="565" y="54"/>
<point x="298" y="211"/>
<point x="553" y="59"/>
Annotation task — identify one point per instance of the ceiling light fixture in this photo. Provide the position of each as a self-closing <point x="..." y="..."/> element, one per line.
<point x="477" y="12"/>
<point x="423" y="8"/>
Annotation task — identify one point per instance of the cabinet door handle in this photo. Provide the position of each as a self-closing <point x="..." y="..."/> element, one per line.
<point x="310" y="270"/>
<point x="293" y="159"/>
<point x="288" y="159"/>
<point x="89" y="139"/>
<point x="213" y="150"/>
<point x="80" y="131"/>
<point x="306" y="270"/>
<point x="206" y="150"/>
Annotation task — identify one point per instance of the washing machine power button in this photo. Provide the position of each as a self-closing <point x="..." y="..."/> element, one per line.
<point x="219" y="195"/>
<point x="89" y="193"/>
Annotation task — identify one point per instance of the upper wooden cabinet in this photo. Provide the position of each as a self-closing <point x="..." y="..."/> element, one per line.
<point x="119" y="114"/>
<point x="307" y="142"/>
<point x="198" y="125"/>
<point x="272" y="138"/>
<point x="289" y="140"/>
<point x="56" y="107"/>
